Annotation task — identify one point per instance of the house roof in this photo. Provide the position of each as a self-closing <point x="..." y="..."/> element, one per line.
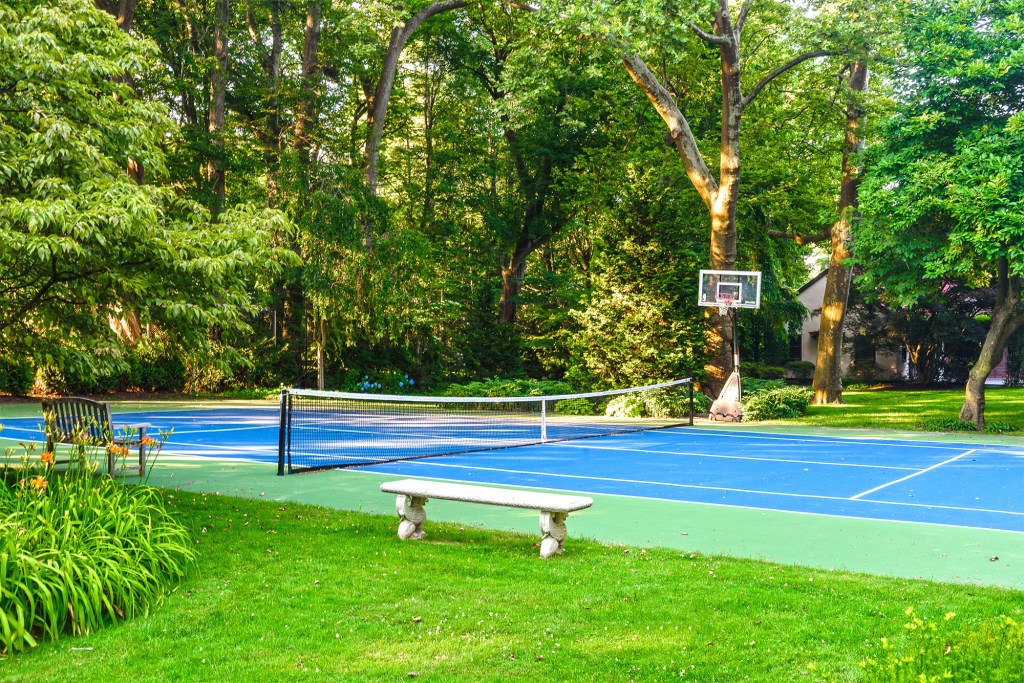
<point x="812" y="281"/>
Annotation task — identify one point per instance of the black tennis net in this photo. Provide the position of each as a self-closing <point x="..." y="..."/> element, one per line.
<point x="327" y="429"/>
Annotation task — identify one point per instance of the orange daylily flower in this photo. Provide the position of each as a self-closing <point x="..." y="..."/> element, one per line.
<point x="39" y="483"/>
<point x="47" y="458"/>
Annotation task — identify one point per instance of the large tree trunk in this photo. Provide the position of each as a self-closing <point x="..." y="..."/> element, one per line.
<point x="216" y="116"/>
<point x="1007" y="318"/>
<point x="719" y="196"/>
<point x="828" y="383"/>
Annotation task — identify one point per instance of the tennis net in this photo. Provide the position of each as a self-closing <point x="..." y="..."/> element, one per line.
<point x="327" y="429"/>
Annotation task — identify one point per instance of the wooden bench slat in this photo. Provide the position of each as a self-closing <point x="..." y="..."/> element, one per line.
<point x="72" y="419"/>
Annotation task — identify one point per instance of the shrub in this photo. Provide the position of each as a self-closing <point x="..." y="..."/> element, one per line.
<point x="79" y="550"/>
<point x="509" y="387"/>
<point x="951" y="424"/>
<point x="863" y="371"/>
<point x="775" y="403"/>
<point x="701" y="402"/>
<point x="16" y="376"/>
<point x="379" y="382"/>
<point x="157" y="368"/>
<point x="752" y="386"/>
<point x="772" y="372"/>
<point x="625" y="405"/>
<point x="800" y="369"/>
<point x="575" y="406"/>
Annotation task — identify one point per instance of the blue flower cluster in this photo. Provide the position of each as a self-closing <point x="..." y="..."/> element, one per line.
<point x="367" y="385"/>
<point x="388" y="381"/>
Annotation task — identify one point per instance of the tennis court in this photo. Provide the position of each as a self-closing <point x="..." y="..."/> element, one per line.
<point x="971" y="485"/>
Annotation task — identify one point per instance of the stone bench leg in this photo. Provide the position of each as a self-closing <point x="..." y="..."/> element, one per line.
<point x="410" y="510"/>
<point x="552" y="531"/>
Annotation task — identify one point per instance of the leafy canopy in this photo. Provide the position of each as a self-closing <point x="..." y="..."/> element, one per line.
<point x="80" y="240"/>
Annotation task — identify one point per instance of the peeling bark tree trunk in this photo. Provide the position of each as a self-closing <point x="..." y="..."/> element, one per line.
<point x="218" y="99"/>
<point x="378" y="104"/>
<point x="1007" y="318"/>
<point x="827" y="383"/>
<point x="720" y="195"/>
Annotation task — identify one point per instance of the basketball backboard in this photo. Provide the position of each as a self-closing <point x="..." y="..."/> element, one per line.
<point x="730" y="288"/>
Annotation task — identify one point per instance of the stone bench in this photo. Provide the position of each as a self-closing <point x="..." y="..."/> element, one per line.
<point x="554" y="507"/>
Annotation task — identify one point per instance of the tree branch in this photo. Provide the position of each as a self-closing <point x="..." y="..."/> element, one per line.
<point x="801" y="239"/>
<point x="742" y="19"/>
<point x="778" y="71"/>
<point x="707" y="37"/>
<point x="696" y="168"/>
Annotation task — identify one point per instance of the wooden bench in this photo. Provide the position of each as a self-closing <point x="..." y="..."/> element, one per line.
<point x="554" y="507"/>
<point x="82" y="421"/>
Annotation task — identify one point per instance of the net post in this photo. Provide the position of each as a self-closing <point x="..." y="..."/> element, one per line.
<point x="691" y="402"/>
<point x="543" y="421"/>
<point x="282" y="434"/>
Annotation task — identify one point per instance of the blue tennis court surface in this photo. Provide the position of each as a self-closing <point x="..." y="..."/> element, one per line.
<point x="959" y="484"/>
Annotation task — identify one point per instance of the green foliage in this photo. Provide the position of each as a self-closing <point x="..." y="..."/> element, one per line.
<point x="16" y="376"/>
<point x="952" y="424"/>
<point x="800" y="369"/>
<point x="80" y="240"/>
<point x="776" y="403"/>
<point x="753" y="385"/>
<point x="625" y="405"/>
<point x="380" y="382"/>
<point x="156" y="367"/>
<point x="943" y="195"/>
<point x="659" y="403"/>
<point x="509" y="387"/>
<point x="763" y="371"/>
<point x="79" y="550"/>
<point x="575" y="406"/>
<point x="949" y="424"/>
<point x="933" y="650"/>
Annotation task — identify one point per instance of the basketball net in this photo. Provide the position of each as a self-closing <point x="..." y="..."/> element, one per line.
<point x="725" y="302"/>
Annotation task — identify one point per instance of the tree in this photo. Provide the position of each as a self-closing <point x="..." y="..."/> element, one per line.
<point x="81" y="240"/>
<point x="944" y="193"/>
<point x="720" y="195"/>
<point x="827" y="382"/>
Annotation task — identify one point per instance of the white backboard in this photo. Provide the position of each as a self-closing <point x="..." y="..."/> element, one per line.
<point x="735" y="288"/>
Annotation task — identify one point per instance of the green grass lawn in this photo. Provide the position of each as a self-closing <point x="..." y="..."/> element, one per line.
<point x="911" y="409"/>
<point x="285" y="591"/>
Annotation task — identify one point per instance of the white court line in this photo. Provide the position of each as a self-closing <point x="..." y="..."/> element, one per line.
<point x="168" y="447"/>
<point x="178" y="432"/>
<point x="881" y="441"/>
<point x="577" y="444"/>
<point x="730" y="505"/>
<point x="911" y="476"/>
<point x="422" y="463"/>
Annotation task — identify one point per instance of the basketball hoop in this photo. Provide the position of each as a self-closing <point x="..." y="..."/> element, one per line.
<point x="725" y="301"/>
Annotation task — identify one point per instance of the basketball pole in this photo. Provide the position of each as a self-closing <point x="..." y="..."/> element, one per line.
<point x="736" y="345"/>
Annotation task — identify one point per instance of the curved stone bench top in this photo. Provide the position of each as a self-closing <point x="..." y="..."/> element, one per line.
<point x="533" y="500"/>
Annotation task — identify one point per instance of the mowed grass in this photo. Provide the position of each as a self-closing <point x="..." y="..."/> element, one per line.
<point x="910" y="409"/>
<point x="293" y="592"/>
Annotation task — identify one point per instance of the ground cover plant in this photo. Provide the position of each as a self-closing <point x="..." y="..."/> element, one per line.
<point x="285" y="590"/>
<point x="78" y="550"/>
